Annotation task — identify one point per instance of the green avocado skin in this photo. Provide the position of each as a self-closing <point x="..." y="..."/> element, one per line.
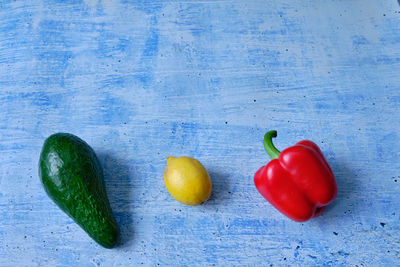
<point x="72" y="177"/>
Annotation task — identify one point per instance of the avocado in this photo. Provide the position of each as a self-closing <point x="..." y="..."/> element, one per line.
<point x="72" y="177"/>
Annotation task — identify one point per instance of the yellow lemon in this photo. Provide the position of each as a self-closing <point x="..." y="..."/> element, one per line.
<point x="187" y="180"/>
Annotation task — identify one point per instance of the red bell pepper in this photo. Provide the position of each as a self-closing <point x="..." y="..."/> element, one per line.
<point x="298" y="182"/>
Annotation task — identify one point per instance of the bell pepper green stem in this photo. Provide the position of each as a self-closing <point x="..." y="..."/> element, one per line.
<point x="269" y="146"/>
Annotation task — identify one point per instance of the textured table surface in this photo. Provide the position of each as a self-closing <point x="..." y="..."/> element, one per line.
<point x="144" y="80"/>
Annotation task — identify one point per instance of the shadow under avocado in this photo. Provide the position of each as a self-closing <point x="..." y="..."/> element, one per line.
<point x="119" y="184"/>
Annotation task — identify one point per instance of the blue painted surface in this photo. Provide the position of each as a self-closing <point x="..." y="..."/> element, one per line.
<point x="143" y="80"/>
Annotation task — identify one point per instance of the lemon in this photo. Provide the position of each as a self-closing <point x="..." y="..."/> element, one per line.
<point x="187" y="180"/>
